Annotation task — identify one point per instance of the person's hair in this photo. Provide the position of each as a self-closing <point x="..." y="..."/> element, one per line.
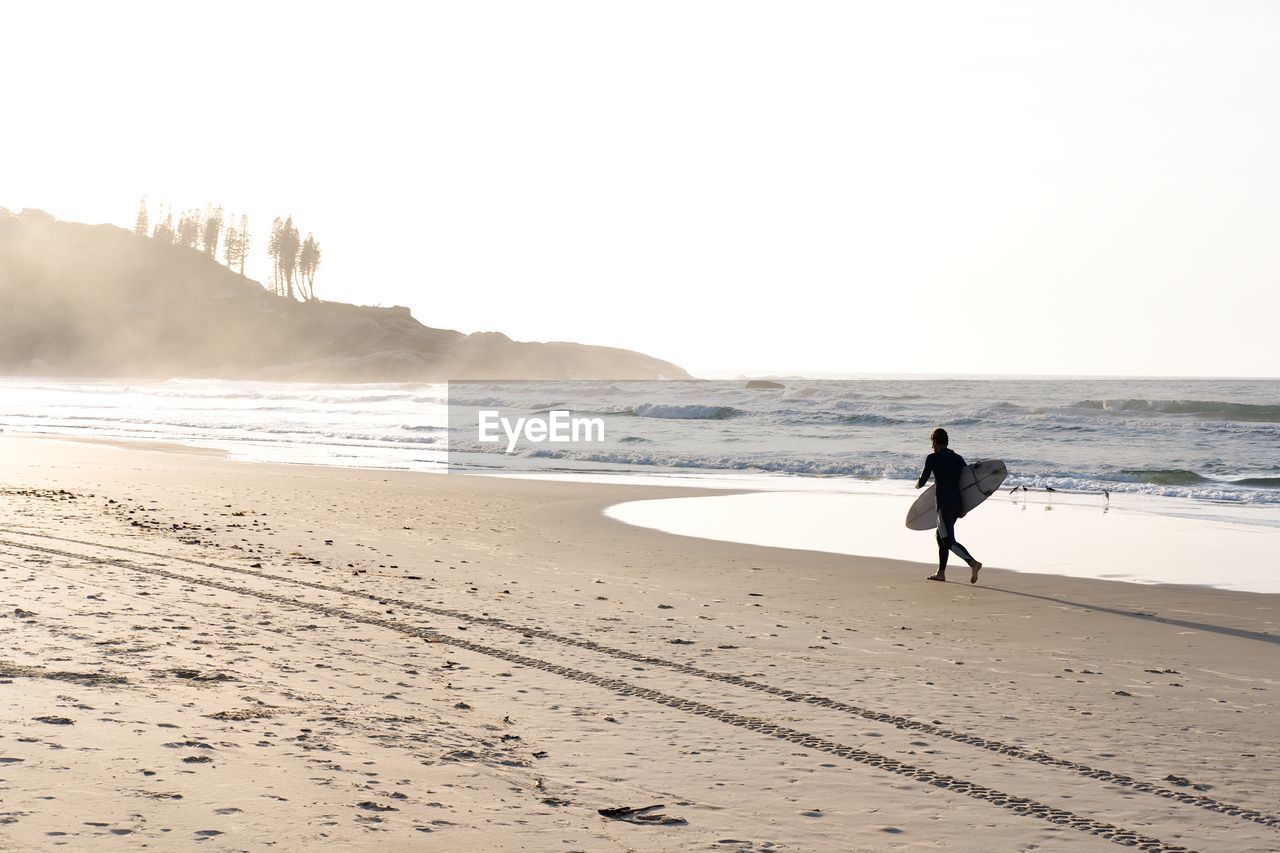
<point x="939" y="436"/>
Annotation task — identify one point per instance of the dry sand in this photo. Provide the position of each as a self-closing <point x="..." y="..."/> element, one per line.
<point x="203" y="653"/>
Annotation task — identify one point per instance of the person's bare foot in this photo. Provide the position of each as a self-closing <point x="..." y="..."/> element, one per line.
<point x="942" y="578"/>
<point x="977" y="567"/>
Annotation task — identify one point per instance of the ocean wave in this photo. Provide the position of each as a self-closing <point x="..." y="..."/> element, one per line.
<point x="685" y="412"/>
<point x="1166" y="476"/>
<point x="870" y="420"/>
<point x="1068" y="427"/>
<point x="1183" y="477"/>
<point x="1258" y="482"/>
<point x="807" y="417"/>
<point x="1212" y="491"/>
<point x="479" y="402"/>
<point x="201" y="392"/>
<point x="771" y="464"/>
<point x="1177" y="484"/>
<point x="1211" y="409"/>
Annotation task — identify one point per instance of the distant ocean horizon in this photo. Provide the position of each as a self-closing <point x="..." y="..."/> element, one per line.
<point x="889" y="376"/>
<point x="1203" y="440"/>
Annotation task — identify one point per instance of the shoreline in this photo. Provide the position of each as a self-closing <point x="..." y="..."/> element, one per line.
<point x="663" y="513"/>
<point x="380" y="658"/>
<point x="1113" y="543"/>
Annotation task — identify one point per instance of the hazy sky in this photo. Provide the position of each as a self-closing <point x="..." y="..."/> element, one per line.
<point x="1020" y="187"/>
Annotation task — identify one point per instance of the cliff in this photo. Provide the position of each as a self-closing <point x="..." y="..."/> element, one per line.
<point x="96" y="300"/>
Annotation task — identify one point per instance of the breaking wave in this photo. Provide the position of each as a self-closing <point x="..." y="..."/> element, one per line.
<point x="685" y="412"/>
<point x="1166" y="476"/>
<point x="1210" y="409"/>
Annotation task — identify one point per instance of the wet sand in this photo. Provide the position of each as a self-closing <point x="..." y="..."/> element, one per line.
<point x="205" y="653"/>
<point x="1130" y="539"/>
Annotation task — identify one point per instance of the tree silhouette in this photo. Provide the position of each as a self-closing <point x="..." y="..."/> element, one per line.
<point x="231" y="243"/>
<point x="243" y="238"/>
<point x="308" y="263"/>
<point x="212" y="230"/>
<point x="283" y="248"/>
<point x="273" y="250"/>
<point x="189" y="229"/>
<point x="140" y="224"/>
<point x="294" y="261"/>
<point x="164" y="230"/>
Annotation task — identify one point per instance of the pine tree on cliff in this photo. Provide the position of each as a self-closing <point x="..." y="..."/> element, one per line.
<point x="289" y="249"/>
<point x="189" y="229"/>
<point x="140" y="224"/>
<point x="164" y="230"/>
<point x="243" y="241"/>
<point x="273" y="249"/>
<point x="284" y="248"/>
<point x="231" y="243"/>
<point x="212" y="230"/>
<point x="308" y="263"/>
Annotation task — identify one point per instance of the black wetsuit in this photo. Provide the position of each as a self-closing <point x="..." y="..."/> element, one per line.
<point x="945" y="465"/>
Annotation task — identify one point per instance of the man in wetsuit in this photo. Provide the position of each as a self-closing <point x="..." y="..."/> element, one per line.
<point x="945" y="465"/>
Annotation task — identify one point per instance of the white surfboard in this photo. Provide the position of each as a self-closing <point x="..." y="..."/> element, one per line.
<point x="978" y="481"/>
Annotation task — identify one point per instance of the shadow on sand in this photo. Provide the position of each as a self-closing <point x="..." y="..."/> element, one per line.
<point x="1240" y="633"/>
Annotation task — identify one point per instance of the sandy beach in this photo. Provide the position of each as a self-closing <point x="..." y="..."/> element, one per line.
<point x="206" y="653"/>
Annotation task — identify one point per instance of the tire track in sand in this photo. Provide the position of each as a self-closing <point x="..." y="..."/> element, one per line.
<point x="1004" y="749"/>
<point x="1018" y="805"/>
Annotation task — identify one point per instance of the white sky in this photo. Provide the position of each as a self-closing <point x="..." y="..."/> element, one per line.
<point x="954" y="187"/>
